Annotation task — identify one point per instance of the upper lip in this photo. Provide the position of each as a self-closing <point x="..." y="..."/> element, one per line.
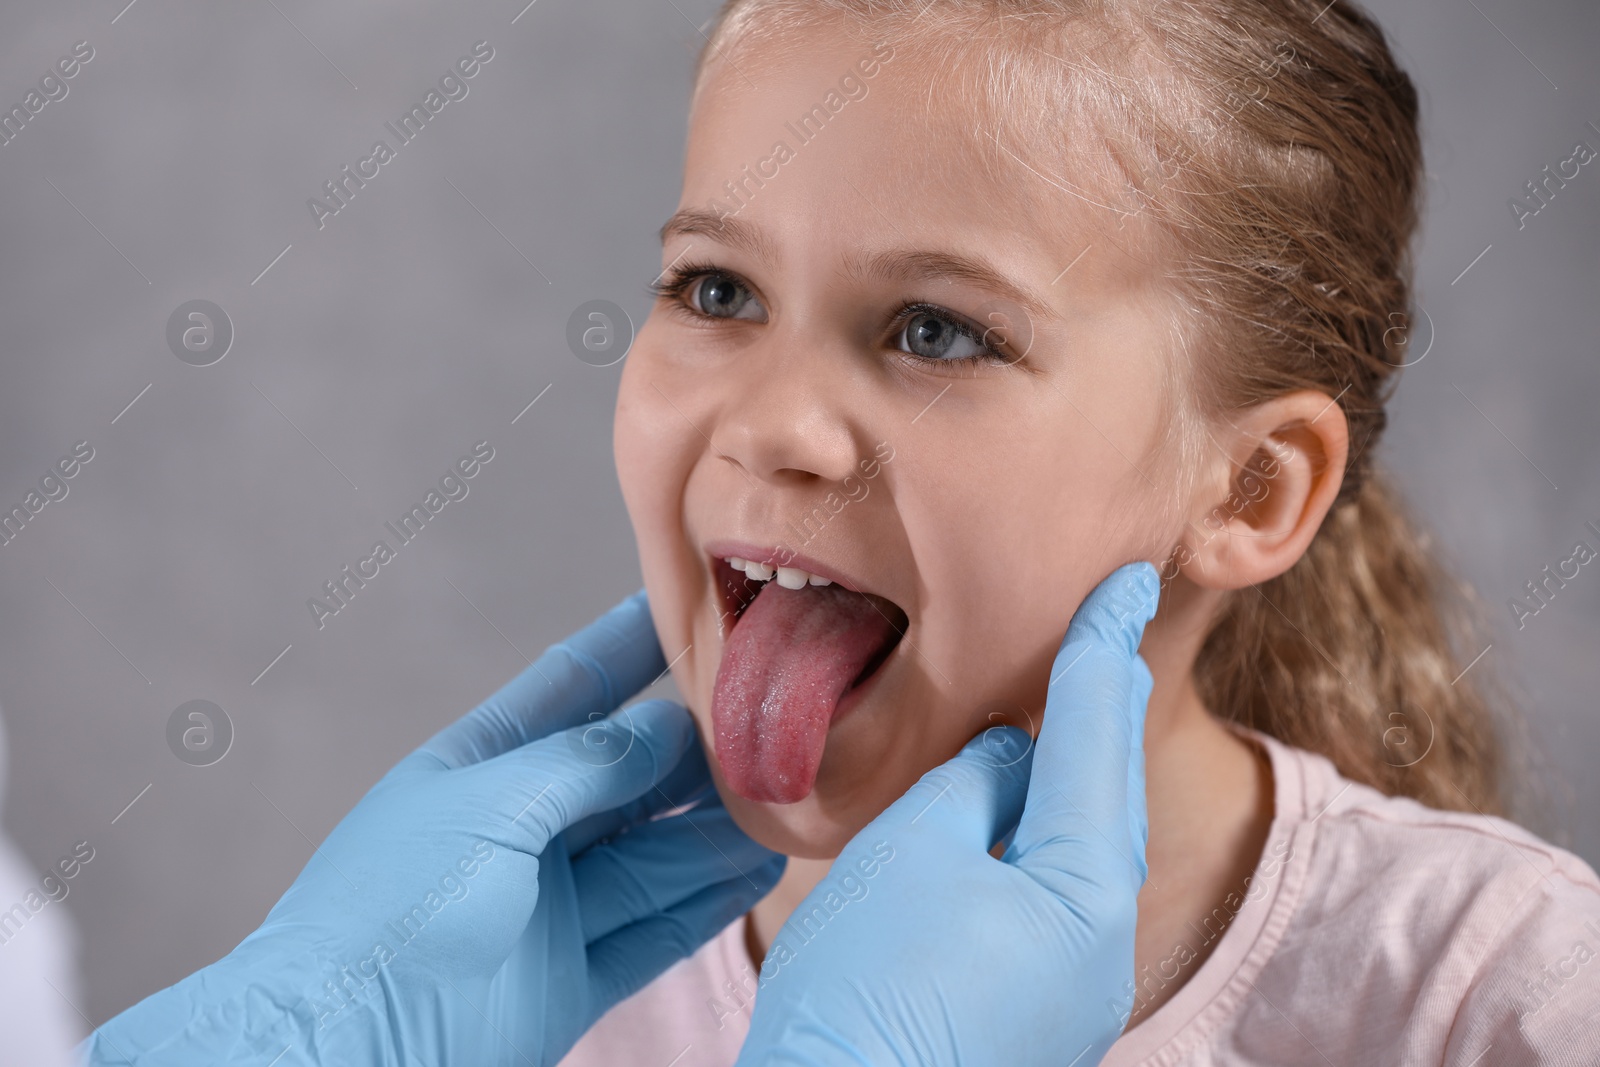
<point x="734" y="602"/>
<point x="781" y="557"/>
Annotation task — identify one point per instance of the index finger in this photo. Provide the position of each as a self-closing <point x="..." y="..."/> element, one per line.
<point x="582" y="678"/>
<point x="1077" y="818"/>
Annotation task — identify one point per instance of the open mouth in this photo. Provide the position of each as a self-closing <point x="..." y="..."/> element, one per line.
<point x="799" y="648"/>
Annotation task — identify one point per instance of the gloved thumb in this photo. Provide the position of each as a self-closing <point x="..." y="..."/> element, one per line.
<point x="972" y="798"/>
<point x="1085" y="809"/>
<point x="549" y="785"/>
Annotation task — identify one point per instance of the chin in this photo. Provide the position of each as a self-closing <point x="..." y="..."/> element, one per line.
<point x="805" y="829"/>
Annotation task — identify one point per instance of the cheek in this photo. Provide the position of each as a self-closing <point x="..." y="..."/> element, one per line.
<point x="630" y="435"/>
<point x="653" y="460"/>
<point x="1007" y="548"/>
<point x="654" y="447"/>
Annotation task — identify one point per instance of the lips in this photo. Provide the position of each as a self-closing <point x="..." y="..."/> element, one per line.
<point x="799" y="647"/>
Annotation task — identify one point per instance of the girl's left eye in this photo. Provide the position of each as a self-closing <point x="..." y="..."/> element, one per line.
<point x="933" y="334"/>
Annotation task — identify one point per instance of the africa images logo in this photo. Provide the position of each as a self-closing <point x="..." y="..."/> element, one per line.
<point x="342" y="588"/>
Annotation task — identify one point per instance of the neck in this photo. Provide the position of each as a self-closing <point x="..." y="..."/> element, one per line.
<point x="1208" y="795"/>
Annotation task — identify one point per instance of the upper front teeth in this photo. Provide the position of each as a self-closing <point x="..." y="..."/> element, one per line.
<point x="788" y="577"/>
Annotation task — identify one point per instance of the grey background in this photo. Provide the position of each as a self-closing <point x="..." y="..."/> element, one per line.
<point x="378" y="349"/>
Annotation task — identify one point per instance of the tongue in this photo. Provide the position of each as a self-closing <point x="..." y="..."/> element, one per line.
<point x="791" y="656"/>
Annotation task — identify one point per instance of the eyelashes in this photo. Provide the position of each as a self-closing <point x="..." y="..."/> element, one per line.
<point x="677" y="282"/>
<point x="673" y="282"/>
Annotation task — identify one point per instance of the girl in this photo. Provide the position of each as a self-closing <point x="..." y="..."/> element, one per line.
<point x="968" y="302"/>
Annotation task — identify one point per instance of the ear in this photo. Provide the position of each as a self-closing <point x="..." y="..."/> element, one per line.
<point x="1273" y="476"/>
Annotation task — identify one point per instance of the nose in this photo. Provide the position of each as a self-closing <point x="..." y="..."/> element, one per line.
<point x="788" y="415"/>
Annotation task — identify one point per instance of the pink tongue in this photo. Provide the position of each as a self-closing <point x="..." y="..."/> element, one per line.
<point x="789" y="659"/>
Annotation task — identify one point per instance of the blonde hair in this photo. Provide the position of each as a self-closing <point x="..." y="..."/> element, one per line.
<point x="1274" y="143"/>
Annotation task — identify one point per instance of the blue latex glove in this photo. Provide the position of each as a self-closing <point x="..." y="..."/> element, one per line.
<point x="919" y="947"/>
<point x="412" y="936"/>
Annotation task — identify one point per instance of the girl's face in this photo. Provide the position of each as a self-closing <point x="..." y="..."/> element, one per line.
<point x="936" y="380"/>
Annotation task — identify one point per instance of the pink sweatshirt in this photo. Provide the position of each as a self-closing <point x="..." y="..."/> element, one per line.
<point x="1373" y="931"/>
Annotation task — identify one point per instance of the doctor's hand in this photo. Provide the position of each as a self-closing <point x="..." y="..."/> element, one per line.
<point x="492" y="895"/>
<point x="919" y="947"/>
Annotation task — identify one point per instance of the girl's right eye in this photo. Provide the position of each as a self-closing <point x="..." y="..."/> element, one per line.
<point x="709" y="292"/>
<point x="721" y="297"/>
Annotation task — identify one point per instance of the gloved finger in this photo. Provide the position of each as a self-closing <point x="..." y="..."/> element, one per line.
<point x="579" y="679"/>
<point x="623" y="963"/>
<point x="547" y="786"/>
<point x="687" y="783"/>
<point x="1077" y="822"/>
<point x="972" y="798"/>
<point x="660" y="864"/>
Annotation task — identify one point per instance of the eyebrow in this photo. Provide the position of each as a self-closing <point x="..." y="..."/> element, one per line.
<point x="919" y="265"/>
<point x="734" y="232"/>
<point x="897" y="264"/>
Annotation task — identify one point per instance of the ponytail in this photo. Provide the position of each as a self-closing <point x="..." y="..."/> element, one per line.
<point x="1349" y="654"/>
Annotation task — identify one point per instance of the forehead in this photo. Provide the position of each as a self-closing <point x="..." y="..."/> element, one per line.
<point x="822" y="138"/>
